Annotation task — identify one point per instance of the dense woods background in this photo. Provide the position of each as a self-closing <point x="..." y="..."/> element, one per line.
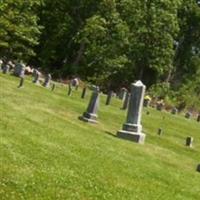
<point x="109" y="42"/>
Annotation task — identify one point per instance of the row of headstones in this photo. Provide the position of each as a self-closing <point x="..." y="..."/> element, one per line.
<point x="132" y="128"/>
<point x="174" y="111"/>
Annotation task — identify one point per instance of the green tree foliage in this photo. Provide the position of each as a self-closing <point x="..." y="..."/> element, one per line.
<point x="19" y="29"/>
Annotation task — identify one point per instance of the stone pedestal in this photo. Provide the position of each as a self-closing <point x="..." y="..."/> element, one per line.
<point x="132" y="129"/>
<point x="91" y="114"/>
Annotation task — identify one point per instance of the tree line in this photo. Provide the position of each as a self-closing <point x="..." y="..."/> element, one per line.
<point x="108" y="42"/>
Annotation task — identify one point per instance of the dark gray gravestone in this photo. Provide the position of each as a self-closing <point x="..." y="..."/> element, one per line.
<point x="174" y="111"/>
<point x="69" y="90"/>
<point x="160" y="131"/>
<point x="188" y="115"/>
<point x="84" y="93"/>
<point x="198" y="167"/>
<point x="21" y="82"/>
<point x="109" y="97"/>
<point x="36" y="76"/>
<point x="91" y="113"/>
<point x="146" y="102"/>
<point x="126" y="101"/>
<point x="47" y="81"/>
<point x="132" y="129"/>
<point x="198" y="118"/>
<point x="189" y="141"/>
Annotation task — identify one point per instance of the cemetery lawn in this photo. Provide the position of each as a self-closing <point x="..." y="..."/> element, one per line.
<point x="47" y="153"/>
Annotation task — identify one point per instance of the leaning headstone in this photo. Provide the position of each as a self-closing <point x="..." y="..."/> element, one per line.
<point x="132" y="129"/>
<point x="47" y="81"/>
<point x="109" y="97"/>
<point x="126" y="101"/>
<point x="198" y="118"/>
<point x="122" y="93"/>
<point x="189" y="141"/>
<point x="36" y="75"/>
<point x="91" y="113"/>
<point x="198" y="168"/>
<point x="188" y="115"/>
<point x="174" y="111"/>
<point x="84" y="93"/>
<point x="21" y="82"/>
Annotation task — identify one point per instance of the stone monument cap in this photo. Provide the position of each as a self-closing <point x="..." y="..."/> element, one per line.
<point x="138" y="84"/>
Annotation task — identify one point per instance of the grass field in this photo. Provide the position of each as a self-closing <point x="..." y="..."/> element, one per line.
<point x="47" y="153"/>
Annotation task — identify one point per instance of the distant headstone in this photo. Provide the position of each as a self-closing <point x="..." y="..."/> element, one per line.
<point x="5" y="68"/>
<point x="36" y="76"/>
<point x="147" y="101"/>
<point x="198" y="118"/>
<point x="132" y="129"/>
<point x="91" y="113"/>
<point x="109" y="97"/>
<point x="19" y="70"/>
<point x="47" y="81"/>
<point x="84" y="93"/>
<point x="74" y="83"/>
<point x="69" y="90"/>
<point x="189" y="141"/>
<point x="53" y="87"/>
<point x="160" y="105"/>
<point x="174" y="111"/>
<point x="122" y="93"/>
<point x="126" y="101"/>
<point x="198" y="167"/>
<point x="188" y="115"/>
<point x="160" y="131"/>
<point x="21" y="82"/>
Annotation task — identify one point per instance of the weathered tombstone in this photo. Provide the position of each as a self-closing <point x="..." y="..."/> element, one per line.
<point x="147" y="101"/>
<point x="36" y="75"/>
<point x="1" y="63"/>
<point x="19" y="69"/>
<point x="160" y="106"/>
<point x="69" y="90"/>
<point x="198" y="118"/>
<point x="188" y="115"/>
<point x="126" y="101"/>
<point x="47" y="81"/>
<point x="84" y="93"/>
<point x="5" y="68"/>
<point x="132" y="129"/>
<point x="21" y="82"/>
<point x="189" y="141"/>
<point x="91" y="113"/>
<point x="109" y="97"/>
<point x="174" y="111"/>
<point x="122" y="93"/>
<point x="198" y="167"/>
<point x="53" y="87"/>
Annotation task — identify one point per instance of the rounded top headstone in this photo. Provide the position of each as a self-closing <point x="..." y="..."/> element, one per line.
<point x="138" y="84"/>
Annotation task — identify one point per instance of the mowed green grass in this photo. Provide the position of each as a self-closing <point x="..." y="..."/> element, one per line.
<point x="47" y="153"/>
